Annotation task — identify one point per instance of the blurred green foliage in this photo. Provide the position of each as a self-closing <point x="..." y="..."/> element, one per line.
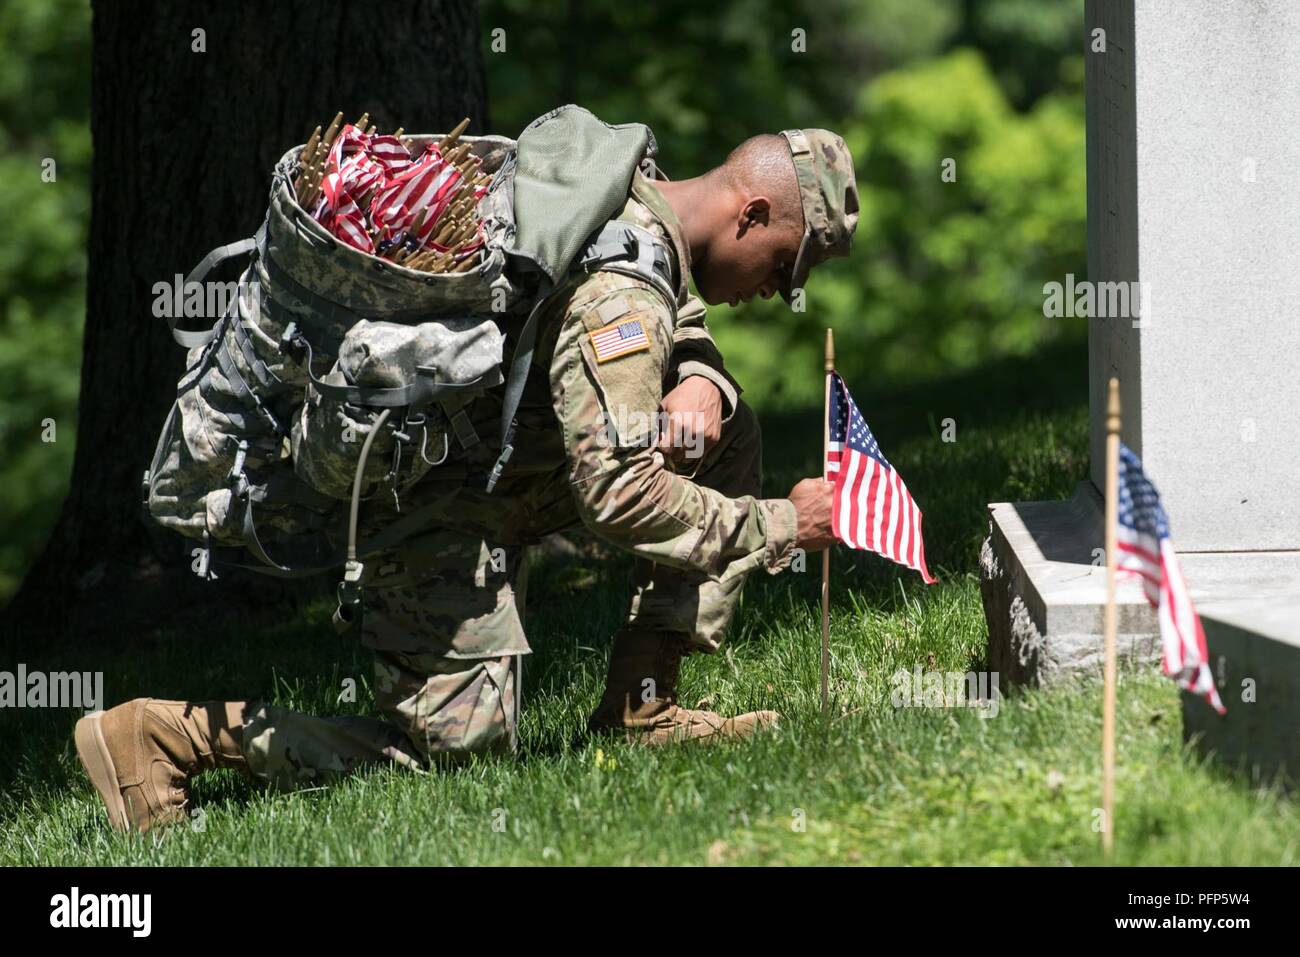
<point x="44" y="115"/>
<point x="702" y="76"/>
<point x="945" y="275"/>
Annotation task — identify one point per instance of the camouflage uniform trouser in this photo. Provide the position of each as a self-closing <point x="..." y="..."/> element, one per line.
<point x="443" y="613"/>
<point x="437" y="709"/>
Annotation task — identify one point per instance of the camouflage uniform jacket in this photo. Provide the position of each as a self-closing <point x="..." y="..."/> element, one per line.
<point x="570" y="466"/>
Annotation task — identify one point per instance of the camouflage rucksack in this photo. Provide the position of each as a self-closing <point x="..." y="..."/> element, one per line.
<point x="334" y="374"/>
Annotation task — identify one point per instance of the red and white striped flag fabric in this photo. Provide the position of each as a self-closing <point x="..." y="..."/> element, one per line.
<point x="349" y="172"/>
<point x="374" y="193"/>
<point x="872" y="508"/>
<point x="1146" y="552"/>
<point x="390" y="153"/>
<point x="428" y="182"/>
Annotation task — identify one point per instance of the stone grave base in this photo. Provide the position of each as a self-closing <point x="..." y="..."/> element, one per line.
<point x="1255" y="645"/>
<point x="1043" y="580"/>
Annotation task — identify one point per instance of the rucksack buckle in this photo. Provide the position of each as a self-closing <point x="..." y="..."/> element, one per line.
<point x="349" y="596"/>
<point x="292" y="343"/>
<point x="237" y="479"/>
<point x="500" y="466"/>
<point x="601" y="252"/>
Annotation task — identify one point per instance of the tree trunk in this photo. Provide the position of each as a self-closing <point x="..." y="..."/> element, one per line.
<point x="184" y="144"/>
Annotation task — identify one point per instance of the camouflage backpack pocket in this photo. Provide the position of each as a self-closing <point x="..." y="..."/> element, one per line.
<point x="211" y="437"/>
<point x="328" y="436"/>
<point x="421" y="375"/>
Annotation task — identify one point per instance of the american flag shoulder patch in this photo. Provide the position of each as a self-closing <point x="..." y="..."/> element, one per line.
<point x="620" y="338"/>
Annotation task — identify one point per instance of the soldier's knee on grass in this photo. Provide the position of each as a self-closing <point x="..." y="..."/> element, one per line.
<point x="447" y="706"/>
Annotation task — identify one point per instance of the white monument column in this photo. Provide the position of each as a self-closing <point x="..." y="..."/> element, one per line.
<point x="1193" y="112"/>
<point x="1194" y="191"/>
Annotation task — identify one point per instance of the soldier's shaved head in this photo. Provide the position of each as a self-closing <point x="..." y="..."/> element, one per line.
<point x="742" y="220"/>
<point x="761" y="166"/>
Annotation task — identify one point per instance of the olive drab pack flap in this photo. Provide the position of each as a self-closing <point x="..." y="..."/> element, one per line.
<point x="572" y="173"/>
<point x="324" y="345"/>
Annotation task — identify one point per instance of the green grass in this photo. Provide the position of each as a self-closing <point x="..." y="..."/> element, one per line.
<point x="867" y="784"/>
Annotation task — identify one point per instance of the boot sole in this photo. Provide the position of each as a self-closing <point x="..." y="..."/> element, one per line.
<point x="650" y="739"/>
<point x="95" y="758"/>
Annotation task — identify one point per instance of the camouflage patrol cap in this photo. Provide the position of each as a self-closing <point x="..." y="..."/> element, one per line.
<point x="828" y="191"/>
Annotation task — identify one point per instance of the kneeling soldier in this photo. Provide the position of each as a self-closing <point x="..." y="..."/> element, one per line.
<point x="444" y="608"/>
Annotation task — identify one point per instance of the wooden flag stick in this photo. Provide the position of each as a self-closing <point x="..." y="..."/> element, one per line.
<point x="826" y="555"/>
<point x="447" y="141"/>
<point x="1108" y="690"/>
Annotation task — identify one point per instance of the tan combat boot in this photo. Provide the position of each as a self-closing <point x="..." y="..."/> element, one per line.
<point x="641" y="696"/>
<point x="141" y="755"/>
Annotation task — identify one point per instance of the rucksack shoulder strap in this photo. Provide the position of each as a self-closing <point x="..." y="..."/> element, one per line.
<point x="616" y="247"/>
<point x="634" y="251"/>
<point x="514" y="391"/>
<point x="208" y="263"/>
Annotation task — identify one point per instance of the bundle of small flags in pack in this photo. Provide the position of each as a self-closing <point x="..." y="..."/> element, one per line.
<point x="371" y="192"/>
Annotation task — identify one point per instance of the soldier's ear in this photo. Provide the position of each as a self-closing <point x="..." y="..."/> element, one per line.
<point x="757" y="211"/>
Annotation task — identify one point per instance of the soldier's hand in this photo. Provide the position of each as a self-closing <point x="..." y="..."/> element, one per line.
<point x="694" y="420"/>
<point x="812" y="500"/>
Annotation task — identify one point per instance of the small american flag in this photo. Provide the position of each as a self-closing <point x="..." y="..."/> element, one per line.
<point x="872" y="507"/>
<point x="619" y="339"/>
<point x="375" y="191"/>
<point x="1145" y="551"/>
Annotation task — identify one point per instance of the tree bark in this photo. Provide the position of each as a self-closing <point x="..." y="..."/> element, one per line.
<point x="184" y="143"/>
